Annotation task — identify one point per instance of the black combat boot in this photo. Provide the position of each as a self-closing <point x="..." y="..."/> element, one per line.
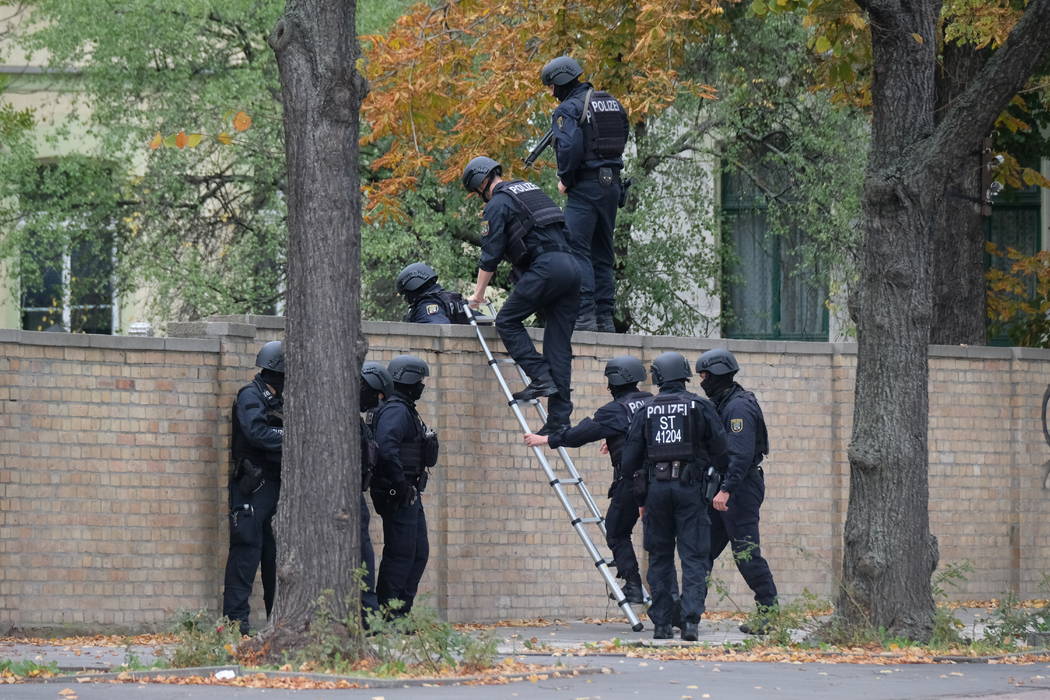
<point x="632" y="590"/>
<point x="663" y="632"/>
<point x="690" y="633"/>
<point x="544" y="386"/>
<point x="605" y="324"/>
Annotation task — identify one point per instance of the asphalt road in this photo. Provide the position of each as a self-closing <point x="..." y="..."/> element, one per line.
<point x="637" y="678"/>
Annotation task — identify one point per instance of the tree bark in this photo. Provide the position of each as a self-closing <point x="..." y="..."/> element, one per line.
<point x="959" y="313"/>
<point x="317" y="523"/>
<point x="889" y="551"/>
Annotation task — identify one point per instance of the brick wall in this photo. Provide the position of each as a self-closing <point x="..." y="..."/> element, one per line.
<point x="113" y="449"/>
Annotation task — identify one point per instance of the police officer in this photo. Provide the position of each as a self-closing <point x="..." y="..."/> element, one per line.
<point x="735" y="508"/>
<point x="256" y="438"/>
<point x="674" y="440"/>
<point x="528" y="229"/>
<point x="610" y="423"/>
<point x="407" y="449"/>
<point x="590" y="132"/>
<point x="428" y="301"/>
<point x="376" y="385"/>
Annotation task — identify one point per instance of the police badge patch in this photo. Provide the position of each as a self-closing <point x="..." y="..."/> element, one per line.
<point x="432" y="309"/>
<point x="561" y="122"/>
<point x="736" y="424"/>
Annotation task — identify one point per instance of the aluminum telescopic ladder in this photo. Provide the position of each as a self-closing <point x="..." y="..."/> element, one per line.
<point x="557" y="483"/>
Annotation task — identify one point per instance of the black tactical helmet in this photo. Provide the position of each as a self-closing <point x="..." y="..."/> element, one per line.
<point x="408" y="369"/>
<point x="718" y="362"/>
<point x="271" y="356"/>
<point x="477" y="171"/>
<point x="375" y="375"/>
<point x="625" y="370"/>
<point x="415" y="278"/>
<point x="670" y="366"/>
<point x="561" y="70"/>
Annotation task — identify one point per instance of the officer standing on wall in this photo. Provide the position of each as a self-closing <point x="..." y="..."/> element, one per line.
<point x="590" y="133"/>
<point x="674" y="441"/>
<point x="256" y="438"/>
<point x="376" y="386"/>
<point x="735" y="508"/>
<point x="610" y="423"/>
<point x="527" y="228"/>
<point x="428" y="301"/>
<point x="407" y="449"/>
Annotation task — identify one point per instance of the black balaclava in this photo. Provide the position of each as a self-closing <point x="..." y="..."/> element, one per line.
<point x="715" y="384"/>
<point x="563" y="91"/>
<point x="623" y="390"/>
<point x="412" y="392"/>
<point x="369" y="398"/>
<point x="274" y="379"/>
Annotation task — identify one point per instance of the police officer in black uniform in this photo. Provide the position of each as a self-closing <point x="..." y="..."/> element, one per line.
<point x="407" y="449"/>
<point x="590" y="132"/>
<point x="610" y="423"/>
<point x="527" y="228"/>
<point x="428" y="301"/>
<point x="256" y="438"/>
<point x="674" y="443"/>
<point x="376" y="386"/>
<point x="735" y="508"/>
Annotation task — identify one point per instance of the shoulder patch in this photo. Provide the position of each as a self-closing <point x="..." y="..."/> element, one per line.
<point x="736" y="424"/>
<point x="561" y="121"/>
<point x="431" y="309"/>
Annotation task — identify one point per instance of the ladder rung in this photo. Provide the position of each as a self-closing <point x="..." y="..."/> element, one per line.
<point x="587" y="520"/>
<point x="570" y="481"/>
<point x="502" y="361"/>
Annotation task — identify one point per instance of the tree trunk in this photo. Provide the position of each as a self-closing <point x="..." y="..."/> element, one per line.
<point x="317" y="524"/>
<point x="889" y="552"/>
<point x="959" y="313"/>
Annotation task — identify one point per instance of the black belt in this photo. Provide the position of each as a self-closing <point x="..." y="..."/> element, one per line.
<point x="539" y="250"/>
<point x="592" y="174"/>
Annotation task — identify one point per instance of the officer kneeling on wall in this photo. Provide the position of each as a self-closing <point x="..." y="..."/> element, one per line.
<point x="428" y="301"/>
<point x="674" y="447"/>
<point x="407" y="450"/>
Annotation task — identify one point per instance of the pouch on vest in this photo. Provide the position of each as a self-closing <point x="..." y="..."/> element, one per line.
<point x="662" y="471"/>
<point x="669" y="428"/>
<point x="430" y="448"/>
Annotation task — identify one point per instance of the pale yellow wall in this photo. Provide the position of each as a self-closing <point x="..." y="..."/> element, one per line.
<point x="52" y="97"/>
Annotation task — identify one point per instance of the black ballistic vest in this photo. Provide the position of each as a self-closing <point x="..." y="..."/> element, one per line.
<point x="535" y="210"/>
<point x="605" y="127"/>
<point x="670" y="428"/>
<point x="630" y="404"/>
<point x="420" y="452"/>
<point x="240" y="448"/>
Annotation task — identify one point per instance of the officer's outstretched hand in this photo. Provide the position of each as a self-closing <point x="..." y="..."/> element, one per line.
<point x="475" y="301"/>
<point x="533" y="440"/>
<point x="562" y="188"/>
<point x="604" y="449"/>
<point x="721" y="500"/>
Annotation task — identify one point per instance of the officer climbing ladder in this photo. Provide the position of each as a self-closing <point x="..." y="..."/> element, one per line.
<point x="579" y="524"/>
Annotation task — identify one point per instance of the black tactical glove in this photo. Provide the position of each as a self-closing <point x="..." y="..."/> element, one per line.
<point x="249" y="477"/>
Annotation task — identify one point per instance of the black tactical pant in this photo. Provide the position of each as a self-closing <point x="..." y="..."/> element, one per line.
<point x="590" y="215"/>
<point x="251" y="544"/>
<point x="551" y="286"/>
<point x="739" y="526"/>
<point x="406" y="549"/>
<point x="619" y="522"/>
<point x="675" y="514"/>
<point x="368" y="560"/>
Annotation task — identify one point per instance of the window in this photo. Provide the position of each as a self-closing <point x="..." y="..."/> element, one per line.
<point x="770" y="292"/>
<point x="1014" y="223"/>
<point x="67" y="255"/>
